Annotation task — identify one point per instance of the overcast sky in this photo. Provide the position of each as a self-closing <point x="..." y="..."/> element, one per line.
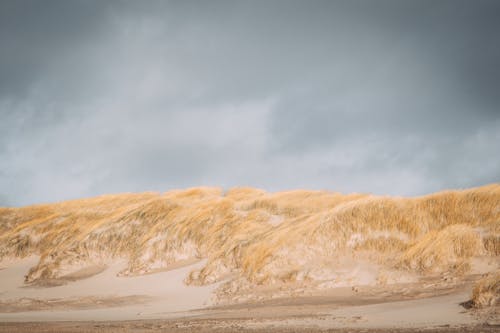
<point x="390" y="97"/>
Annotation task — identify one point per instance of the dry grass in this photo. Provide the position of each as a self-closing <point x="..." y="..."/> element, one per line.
<point x="486" y="291"/>
<point x="254" y="236"/>
<point x="453" y="245"/>
<point x="492" y="244"/>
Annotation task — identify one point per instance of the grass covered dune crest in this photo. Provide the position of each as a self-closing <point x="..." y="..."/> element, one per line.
<point x="252" y="238"/>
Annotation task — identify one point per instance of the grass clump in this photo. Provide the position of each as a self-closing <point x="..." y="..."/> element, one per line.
<point x="486" y="291"/>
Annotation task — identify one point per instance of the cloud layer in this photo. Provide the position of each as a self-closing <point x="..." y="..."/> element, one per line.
<point x="394" y="97"/>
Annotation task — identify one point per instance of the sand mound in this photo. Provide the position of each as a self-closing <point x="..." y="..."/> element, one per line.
<point x="250" y="237"/>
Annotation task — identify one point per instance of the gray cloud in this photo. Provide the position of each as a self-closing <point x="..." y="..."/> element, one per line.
<point x="396" y="97"/>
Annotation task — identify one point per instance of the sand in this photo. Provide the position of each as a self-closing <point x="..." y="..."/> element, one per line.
<point x="104" y="302"/>
<point x="116" y="298"/>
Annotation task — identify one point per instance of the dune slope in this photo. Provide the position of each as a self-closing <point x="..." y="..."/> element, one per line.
<point x="252" y="238"/>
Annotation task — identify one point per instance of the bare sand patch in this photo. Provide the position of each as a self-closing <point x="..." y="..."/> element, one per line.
<point x="103" y="296"/>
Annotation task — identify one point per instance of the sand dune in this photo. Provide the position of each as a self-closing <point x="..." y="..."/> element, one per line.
<point x="245" y="246"/>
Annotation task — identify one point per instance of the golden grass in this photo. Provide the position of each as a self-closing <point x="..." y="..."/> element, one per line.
<point x="486" y="291"/>
<point x="256" y="236"/>
<point x="492" y="245"/>
<point x="453" y="245"/>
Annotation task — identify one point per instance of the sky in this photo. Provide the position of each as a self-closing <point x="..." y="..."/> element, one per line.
<point x="388" y="97"/>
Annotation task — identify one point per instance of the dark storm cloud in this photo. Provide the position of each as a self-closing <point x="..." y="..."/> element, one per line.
<point x="396" y="97"/>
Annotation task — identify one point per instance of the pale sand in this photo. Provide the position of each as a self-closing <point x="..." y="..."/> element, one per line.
<point x="165" y="291"/>
<point x="162" y="296"/>
<point x="428" y="312"/>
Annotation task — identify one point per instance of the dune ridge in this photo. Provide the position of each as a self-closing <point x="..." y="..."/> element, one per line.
<point x="253" y="238"/>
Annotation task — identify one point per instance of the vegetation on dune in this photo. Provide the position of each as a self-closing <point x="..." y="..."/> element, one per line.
<point x="437" y="250"/>
<point x="253" y="236"/>
<point x="486" y="291"/>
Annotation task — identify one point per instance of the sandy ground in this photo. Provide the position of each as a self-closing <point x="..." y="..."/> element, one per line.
<point x="147" y="326"/>
<point x="104" y="302"/>
<point x="115" y="298"/>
